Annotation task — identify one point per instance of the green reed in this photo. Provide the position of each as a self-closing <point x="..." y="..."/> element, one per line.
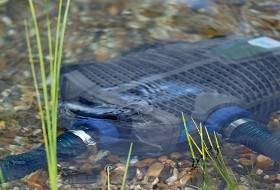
<point x="2" y="185"/>
<point x="212" y="154"/>
<point x="126" y="166"/>
<point x="47" y="98"/>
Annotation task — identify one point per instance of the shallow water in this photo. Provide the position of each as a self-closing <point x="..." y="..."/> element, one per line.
<point x="101" y="30"/>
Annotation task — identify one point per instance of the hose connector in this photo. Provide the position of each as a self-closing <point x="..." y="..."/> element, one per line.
<point x="255" y="136"/>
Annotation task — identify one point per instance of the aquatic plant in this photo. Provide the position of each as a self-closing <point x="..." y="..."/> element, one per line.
<point x="47" y="100"/>
<point x="205" y="153"/>
<point x="126" y="166"/>
<point x="2" y="185"/>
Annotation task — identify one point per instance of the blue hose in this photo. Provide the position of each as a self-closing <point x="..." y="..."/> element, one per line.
<point x="18" y="166"/>
<point x="255" y="136"/>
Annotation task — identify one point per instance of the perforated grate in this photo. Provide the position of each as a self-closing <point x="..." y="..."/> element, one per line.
<point x="171" y="76"/>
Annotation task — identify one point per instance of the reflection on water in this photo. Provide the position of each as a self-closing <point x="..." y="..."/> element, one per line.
<point x="100" y="30"/>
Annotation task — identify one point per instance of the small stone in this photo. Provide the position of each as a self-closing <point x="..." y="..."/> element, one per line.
<point x="37" y="180"/>
<point x="116" y="177"/>
<point x="184" y="180"/>
<point x="133" y="160"/>
<point x="242" y="187"/>
<point x="113" y="10"/>
<point x="144" y="163"/>
<point x="170" y="163"/>
<point x="266" y="177"/>
<point x="162" y="158"/>
<point x="246" y="162"/>
<point x="176" y="155"/>
<point x="162" y="185"/>
<point x="2" y="125"/>
<point x="259" y="172"/>
<point x="277" y="186"/>
<point x="2" y="2"/>
<point x="264" y="162"/>
<point x="120" y="167"/>
<point x="173" y="178"/>
<point x="6" y="20"/>
<point x="155" y="169"/>
<point x="102" y="55"/>
<point x="155" y="181"/>
<point x="139" y="174"/>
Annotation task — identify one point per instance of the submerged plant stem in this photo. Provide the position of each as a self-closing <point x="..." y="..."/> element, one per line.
<point x="48" y="114"/>
<point x="126" y="166"/>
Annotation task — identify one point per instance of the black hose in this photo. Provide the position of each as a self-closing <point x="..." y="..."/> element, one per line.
<point x="255" y="136"/>
<point x="18" y="166"/>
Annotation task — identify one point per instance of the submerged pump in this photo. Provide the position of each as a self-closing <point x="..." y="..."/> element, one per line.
<point x="230" y="85"/>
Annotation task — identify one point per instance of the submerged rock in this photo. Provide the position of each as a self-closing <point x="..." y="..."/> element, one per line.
<point x="37" y="180"/>
<point x="144" y="163"/>
<point x="264" y="162"/>
<point x="155" y="169"/>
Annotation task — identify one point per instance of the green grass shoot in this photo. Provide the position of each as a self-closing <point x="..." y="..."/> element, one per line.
<point x="126" y="166"/>
<point x="47" y="99"/>
<point x="212" y="154"/>
<point x="2" y="185"/>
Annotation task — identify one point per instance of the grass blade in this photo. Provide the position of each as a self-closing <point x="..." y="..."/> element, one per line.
<point x="36" y="85"/>
<point x="126" y="166"/>
<point x="48" y="114"/>
<point x="2" y="185"/>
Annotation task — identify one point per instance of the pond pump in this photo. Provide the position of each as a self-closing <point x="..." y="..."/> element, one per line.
<point x="230" y="85"/>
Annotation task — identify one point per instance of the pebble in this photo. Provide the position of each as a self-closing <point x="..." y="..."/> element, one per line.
<point x="184" y="180"/>
<point x="155" y="181"/>
<point x="176" y="155"/>
<point x="162" y="158"/>
<point x="37" y="180"/>
<point x="133" y="160"/>
<point x="278" y="177"/>
<point x="266" y="177"/>
<point x="173" y="178"/>
<point x="102" y="55"/>
<point x="155" y="169"/>
<point x="2" y="125"/>
<point x="242" y="187"/>
<point x="140" y="174"/>
<point x="277" y="186"/>
<point x="162" y="186"/>
<point x="259" y="172"/>
<point x="2" y="2"/>
<point x="116" y="177"/>
<point x="246" y="162"/>
<point x="6" y="20"/>
<point x="144" y="163"/>
<point x="263" y="162"/>
<point x="170" y="163"/>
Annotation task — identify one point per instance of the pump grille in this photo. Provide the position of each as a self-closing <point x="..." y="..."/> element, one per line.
<point x="171" y="76"/>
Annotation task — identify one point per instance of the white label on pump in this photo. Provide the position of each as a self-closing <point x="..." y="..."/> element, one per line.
<point x="265" y="42"/>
